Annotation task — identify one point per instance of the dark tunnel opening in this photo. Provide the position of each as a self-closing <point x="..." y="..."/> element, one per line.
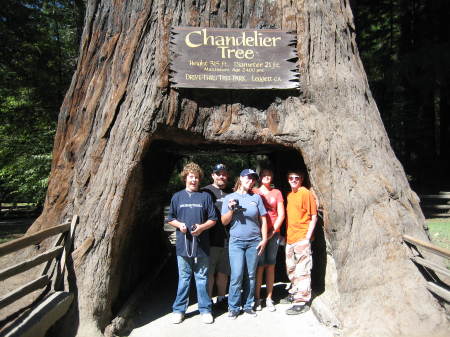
<point x="150" y="258"/>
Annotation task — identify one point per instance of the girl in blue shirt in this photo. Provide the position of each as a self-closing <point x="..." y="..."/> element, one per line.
<point x="244" y="211"/>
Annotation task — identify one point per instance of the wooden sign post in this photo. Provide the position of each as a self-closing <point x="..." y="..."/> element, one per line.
<point x="233" y="58"/>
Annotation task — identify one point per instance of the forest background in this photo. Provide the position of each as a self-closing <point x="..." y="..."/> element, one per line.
<point x="403" y="44"/>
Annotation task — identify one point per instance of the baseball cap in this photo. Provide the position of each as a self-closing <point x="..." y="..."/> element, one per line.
<point x="249" y="172"/>
<point x="219" y="167"/>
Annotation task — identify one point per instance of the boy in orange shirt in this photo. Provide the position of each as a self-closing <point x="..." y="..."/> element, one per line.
<point x="301" y="219"/>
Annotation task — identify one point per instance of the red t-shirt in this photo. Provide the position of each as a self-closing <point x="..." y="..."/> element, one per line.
<point x="271" y="200"/>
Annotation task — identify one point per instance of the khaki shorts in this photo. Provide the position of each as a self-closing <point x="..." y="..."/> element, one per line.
<point x="219" y="261"/>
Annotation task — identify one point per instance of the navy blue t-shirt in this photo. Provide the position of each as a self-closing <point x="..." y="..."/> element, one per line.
<point x="192" y="208"/>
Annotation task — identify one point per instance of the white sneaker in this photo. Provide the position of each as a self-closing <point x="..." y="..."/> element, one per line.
<point x="270" y="305"/>
<point x="258" y="306"/>
<point x="177" y="317"/>
<point x="207" y="318"/>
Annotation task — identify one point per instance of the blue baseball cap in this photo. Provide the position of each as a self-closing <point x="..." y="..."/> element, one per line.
<point x="249" y="172"/>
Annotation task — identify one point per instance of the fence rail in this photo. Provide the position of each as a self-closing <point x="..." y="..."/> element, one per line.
<point x="428" y="246"/>
<point x="436" y="286"/>
<point x="28" y="240"/>
<point x="48" y="257"/>
<point x="13" y="205"/>
<point x="30" y="263"/>
<point x="18" y="293"/>
<point x="11" y="208"/>
<point x="436" y="205"/>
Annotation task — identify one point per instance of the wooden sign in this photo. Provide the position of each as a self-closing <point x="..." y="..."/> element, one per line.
<point x="233" y="58"/>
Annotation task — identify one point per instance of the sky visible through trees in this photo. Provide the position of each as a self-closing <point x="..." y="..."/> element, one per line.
<point x="403" y="44"/>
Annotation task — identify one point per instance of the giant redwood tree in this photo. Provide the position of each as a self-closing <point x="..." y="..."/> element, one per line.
<point x="120" y="116"/>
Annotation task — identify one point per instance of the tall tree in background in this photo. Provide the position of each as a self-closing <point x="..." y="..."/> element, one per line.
<point x="404" y="45"/>
<point x="37" y="59"/>
<point x="108" y="165"/>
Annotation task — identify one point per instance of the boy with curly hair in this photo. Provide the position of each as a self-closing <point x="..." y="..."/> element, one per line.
<point x="192" y="213"/>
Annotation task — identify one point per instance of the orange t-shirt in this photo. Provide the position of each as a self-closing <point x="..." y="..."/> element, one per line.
<point x="301" y="206"/>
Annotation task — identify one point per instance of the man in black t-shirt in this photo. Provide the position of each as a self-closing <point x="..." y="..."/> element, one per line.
<point x="219" y="263"/>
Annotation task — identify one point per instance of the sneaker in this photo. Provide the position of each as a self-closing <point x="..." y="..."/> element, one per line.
<point x="297" y="309"/>
<point x="177" y="317"/>
<point x="287" y="300"/>
<point x="233" y="314"/>
<point x="207" y="318"/>
<point x="258" y="306"/>
<point x="270" y="305"/>
<point x="250" y="312"/>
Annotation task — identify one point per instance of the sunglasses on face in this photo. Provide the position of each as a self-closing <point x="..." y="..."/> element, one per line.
<point x="293" y="178"/>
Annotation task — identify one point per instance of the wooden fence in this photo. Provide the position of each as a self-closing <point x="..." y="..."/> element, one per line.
<point x="15" y="207"/>
<point x="435" y="205"/>
<point x="436" y="285"/>
<point x="50" y="279"/>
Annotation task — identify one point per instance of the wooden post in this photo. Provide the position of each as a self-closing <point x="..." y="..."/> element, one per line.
<point x="58" y="280"/>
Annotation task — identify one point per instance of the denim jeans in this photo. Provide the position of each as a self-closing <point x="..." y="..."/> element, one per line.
<point x="243" y="258"/>
<point x="187" y="266"/>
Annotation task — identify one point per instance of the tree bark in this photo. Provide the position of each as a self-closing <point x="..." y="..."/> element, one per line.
<point x="109" y="169"/>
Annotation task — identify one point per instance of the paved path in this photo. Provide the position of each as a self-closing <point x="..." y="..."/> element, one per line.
<point x="154" y="320"/>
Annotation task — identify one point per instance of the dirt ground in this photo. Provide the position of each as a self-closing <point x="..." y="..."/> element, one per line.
<point x="11" y="229"/>
<point x="153" y="319"/>
<point x="154" y="315"/>
<point x="265" y="324"/>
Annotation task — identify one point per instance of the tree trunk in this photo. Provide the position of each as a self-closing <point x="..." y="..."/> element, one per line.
<point x="111" y="159"/>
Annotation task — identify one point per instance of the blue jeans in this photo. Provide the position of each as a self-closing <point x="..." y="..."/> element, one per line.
<point x="187" y="266"/>
<point x="243" y="258"/>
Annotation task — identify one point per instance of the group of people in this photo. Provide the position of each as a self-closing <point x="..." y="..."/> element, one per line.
<point x="236" y="235"/>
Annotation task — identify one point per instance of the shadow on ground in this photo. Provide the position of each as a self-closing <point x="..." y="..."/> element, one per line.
<point x="153" y="316"/>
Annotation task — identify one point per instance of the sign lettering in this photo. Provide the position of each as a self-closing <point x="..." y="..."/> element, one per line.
<point x="233" y="58"/>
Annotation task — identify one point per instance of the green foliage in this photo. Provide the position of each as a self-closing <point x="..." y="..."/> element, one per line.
<point x="403" y="43"/>
<point x="27" y="177"/>
<point x="235" y="163"/>
<point x="37" y="59"/>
